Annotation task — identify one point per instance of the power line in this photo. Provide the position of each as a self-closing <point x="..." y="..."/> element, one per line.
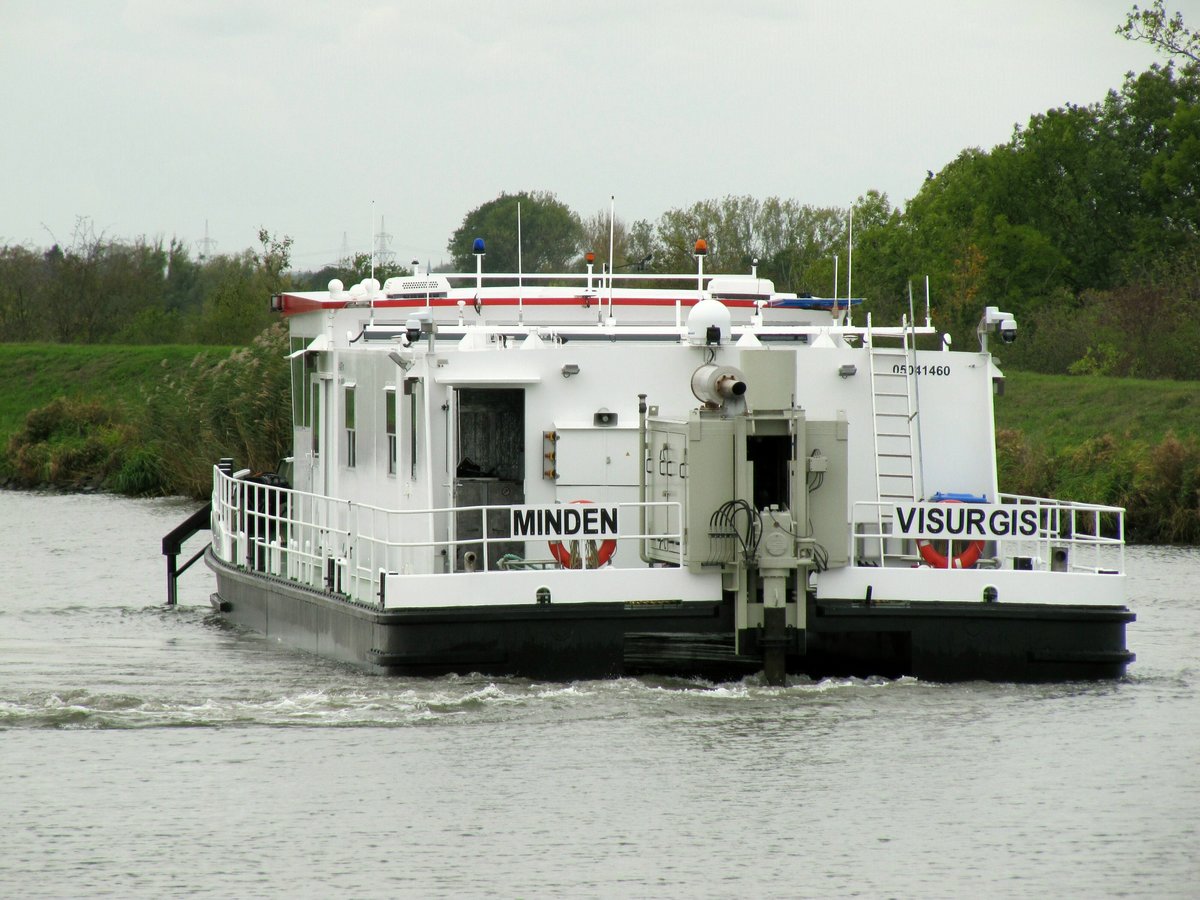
<point x="383" y="240"/>
<point x="207" y="245"/>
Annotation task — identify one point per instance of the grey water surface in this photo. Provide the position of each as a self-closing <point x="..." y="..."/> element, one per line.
<point x="153" y="752"/>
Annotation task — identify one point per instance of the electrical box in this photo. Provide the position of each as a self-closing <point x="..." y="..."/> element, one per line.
<point x="726" y="470"/>
<point x="596" y="456"/>
<point x="676" y="452"/>
<point x="828" y="489"/>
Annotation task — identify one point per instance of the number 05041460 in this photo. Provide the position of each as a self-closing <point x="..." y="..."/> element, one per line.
<point x="902" y="369"/>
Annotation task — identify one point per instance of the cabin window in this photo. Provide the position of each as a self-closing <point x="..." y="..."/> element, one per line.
<point x="412" y="390"/>
<point x="348" y="423"/>
<point x="389" y="406"/>
<point x="315" y="410"/>
<point x="304" y="370"/>
<point x="299" y="384"/>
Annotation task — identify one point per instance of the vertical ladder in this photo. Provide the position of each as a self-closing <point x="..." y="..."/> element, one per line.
<point x="893" y="408"/>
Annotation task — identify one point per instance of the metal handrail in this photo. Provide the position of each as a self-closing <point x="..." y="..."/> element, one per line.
<point x="1074" y="537"/>
<point x="345" y="547"/>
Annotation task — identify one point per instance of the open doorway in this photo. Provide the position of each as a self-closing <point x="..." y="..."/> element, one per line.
<point x="489" y="470"/>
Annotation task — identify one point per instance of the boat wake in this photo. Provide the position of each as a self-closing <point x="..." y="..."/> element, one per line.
<point x="448" y="701"/>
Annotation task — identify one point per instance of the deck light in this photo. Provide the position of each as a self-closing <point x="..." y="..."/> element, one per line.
<point x="570" y="369"/>
<point x="589" y="257"/>
<point x="701" y="247"/>
<point x="847" y="370"/>
<point x="477" y="247"/>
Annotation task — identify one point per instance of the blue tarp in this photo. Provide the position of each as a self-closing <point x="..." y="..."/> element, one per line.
<point x="941" y="497"/>
<point x="826" y="303"/>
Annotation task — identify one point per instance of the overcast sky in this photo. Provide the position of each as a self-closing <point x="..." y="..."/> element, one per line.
<point x="153" y="118"/>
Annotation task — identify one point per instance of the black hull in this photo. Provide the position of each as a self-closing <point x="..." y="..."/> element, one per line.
<point x="933" y="641"/>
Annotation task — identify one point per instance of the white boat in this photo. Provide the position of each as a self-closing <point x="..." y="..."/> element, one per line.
<point x="579" y="475"/>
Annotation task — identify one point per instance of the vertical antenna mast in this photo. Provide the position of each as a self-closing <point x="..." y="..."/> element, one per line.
<point x="850" y="269"/>
<point x="520" y="299"/>
<point x="612" y="263"/>
<point x="928" y="320"/>
<point x="835" y="285"/>
<point x="372" y="245"/>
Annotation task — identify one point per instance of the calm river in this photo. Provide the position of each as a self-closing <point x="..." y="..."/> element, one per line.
<point x="151" y="752"/>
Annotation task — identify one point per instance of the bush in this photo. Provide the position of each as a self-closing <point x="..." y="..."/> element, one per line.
<point x="142" y="474"/>
<point x="167" y="440"/>
<point x="1164" y="505"/>
<point x="1158" y="485"/>
<point x="69" y="443"/>
<point x="238" y="407"/>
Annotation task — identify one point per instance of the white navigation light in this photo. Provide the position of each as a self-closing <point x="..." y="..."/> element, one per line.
<point x="705" y="316"/>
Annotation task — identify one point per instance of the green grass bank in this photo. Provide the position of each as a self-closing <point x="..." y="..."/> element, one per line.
<point x="1057" y="412"/>
<point x="33" y="375"/>
<point x="140" y="420"/>
<point x="151" y="420"/>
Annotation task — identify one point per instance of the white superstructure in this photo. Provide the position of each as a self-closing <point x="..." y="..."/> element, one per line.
<point x="738" y="444"/>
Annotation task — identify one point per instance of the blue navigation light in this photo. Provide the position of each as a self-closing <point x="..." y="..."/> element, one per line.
<point x="477" y="247"/>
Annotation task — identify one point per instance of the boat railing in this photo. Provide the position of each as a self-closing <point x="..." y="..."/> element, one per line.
<point x="1068" y="537"/>
<point x="348" y="548"/>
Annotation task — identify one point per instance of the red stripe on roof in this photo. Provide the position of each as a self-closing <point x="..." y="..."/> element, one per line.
<point x="295" y="305"/>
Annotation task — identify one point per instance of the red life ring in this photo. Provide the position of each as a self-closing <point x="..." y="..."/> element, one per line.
<point x="569" y="557"/>
<point x="964" y="560"/>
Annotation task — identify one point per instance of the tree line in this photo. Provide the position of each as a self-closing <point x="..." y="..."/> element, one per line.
<point x="98" y="290"/>
<point x="1085" y="225"/>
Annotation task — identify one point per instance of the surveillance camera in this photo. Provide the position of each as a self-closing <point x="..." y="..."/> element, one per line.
<point x="412" y="330"/>
<point x="1008" y="331"/>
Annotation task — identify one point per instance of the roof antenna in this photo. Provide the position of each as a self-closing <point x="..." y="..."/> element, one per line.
<point x="612" y="263"/>
<point x="836" y="309"/>
<point x="850" y="270"/>
<point x="520" y="299"/>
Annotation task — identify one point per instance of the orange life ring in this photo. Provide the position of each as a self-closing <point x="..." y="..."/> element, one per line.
<point x="964" y="560"/>
<point x="568" y="555"/>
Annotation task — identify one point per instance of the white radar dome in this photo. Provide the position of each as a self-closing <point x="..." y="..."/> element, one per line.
<point x="707" y="314"/>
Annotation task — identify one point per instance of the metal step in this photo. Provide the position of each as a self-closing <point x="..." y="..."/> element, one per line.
<point x="901" y="485"/>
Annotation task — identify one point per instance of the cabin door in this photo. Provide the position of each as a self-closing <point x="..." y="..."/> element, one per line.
<point x="322" y="451"/>
<point x="489" y="470"/>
